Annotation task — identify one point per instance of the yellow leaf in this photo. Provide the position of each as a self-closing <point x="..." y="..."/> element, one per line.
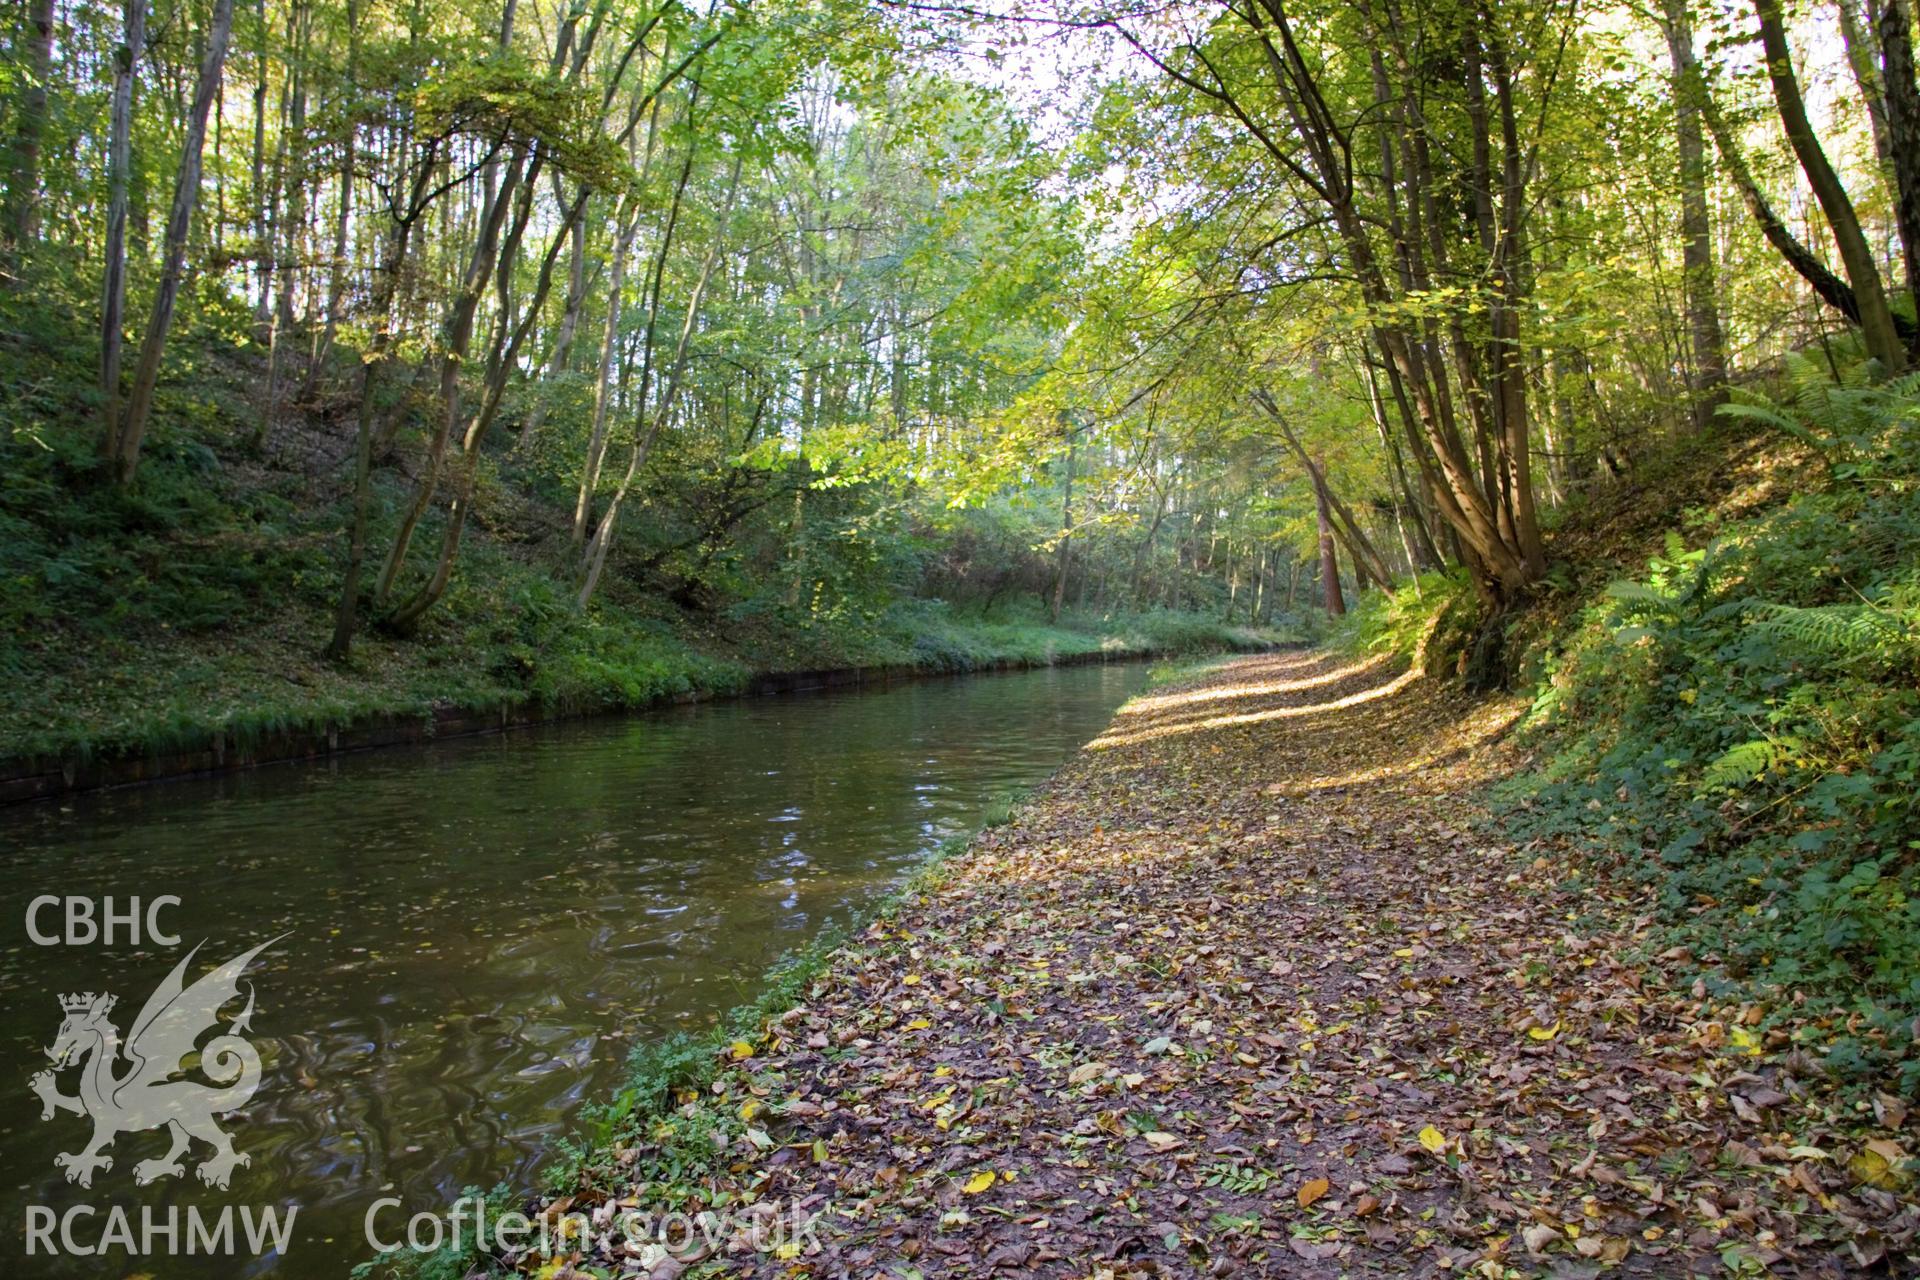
<point x="979" y="1182"/>
<point x="918" y="1024"/>
<point x="1433" y="1140"/>
<point x="1745" y="1041"/>
<point x="740" y="1049"/>
<point x="787" y="1249"/>
<point x="1543" y="1033"/>
<point x="749" y="1109"/>
<point x="819" y="1151"/>
<point x="1311" y="1191"/>
<point x="911" y="980"/>
<point x="1878" y="1164"/>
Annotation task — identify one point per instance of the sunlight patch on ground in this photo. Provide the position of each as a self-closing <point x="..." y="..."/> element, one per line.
<point x="1107" y="742"/>
<point x="1167" y="701"/>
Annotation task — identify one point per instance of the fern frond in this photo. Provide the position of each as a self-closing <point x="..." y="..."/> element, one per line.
<point x="1769" y="416"/>
<point x="1741" y="765"/>
<point x="1847" y="631"/>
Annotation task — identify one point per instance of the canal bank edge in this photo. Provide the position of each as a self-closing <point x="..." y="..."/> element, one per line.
<point x="25" y="778"/>
<point x="681" y="1063"/>
<point x="1122" y="985"/>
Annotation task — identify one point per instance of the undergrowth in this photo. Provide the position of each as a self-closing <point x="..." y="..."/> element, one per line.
<point x="1739" y="726"/>
<point x="194" y="605"/>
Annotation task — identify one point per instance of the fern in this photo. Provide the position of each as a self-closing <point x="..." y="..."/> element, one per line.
<point x="1848" y="632"/>
<point x="1769" y="416"/>
<point x="1744" y="763"/>
<point x="1631" y="592"/>
<point x="1840" y="417"/>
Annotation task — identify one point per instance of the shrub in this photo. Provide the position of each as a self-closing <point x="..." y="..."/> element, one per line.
<point x="1741" y="725"/>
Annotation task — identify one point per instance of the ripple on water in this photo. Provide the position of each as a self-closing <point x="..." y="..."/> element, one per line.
<point x="480" y="930"/>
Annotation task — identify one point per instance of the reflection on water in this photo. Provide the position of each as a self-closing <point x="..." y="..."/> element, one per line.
<point x="479" y="931"/>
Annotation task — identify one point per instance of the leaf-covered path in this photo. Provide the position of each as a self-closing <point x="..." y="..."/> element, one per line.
<point x="1240" y="991"/>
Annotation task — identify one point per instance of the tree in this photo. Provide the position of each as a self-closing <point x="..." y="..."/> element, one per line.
<point x="1334" y="602"/>
<point x="113" y="288"/>
<point x="1863" y="274"/>
<point x="120" y="445"/>
<point x="1708" y="374"/>
<point x="21" y="213"/>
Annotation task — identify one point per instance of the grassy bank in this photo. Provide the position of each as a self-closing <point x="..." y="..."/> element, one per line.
<point x="515" y="641"/>
<point x="196" y="603"/>
<point x="1725" y="708"/>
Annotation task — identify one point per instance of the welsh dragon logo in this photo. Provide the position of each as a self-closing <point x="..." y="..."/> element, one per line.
<point x="129" y="1086"/>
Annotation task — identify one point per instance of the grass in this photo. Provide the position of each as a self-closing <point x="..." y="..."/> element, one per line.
<point x="194" y="606"/>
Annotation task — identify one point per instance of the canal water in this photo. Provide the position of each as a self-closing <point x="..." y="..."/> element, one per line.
<point x="473" y="935"/>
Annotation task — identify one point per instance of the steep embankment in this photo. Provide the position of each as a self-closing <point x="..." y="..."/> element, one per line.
<point x="178" y="626"/>
<point x="1246" y="986"/>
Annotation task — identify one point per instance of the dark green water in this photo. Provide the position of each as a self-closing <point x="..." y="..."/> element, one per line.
<point x="478" y="932"/>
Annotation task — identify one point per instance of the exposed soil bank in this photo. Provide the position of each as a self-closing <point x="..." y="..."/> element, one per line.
<point x="30" y="778"/>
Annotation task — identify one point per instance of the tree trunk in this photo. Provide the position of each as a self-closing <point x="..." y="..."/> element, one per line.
<point x="1066" y="535"/>
<point x="647" y="426"/>
<point x="603" y="384"/>
<point x="1903" y="134"/>
<point x="1831" y="289"/>
<point x="30" y="125"/>
<point x="1708" y="380"/>
<point x="1876" y="318"/>
<point x="1858" y="35"/>
<point x="113" y="293"/>
<point x="343" y="218"/>
<point x="458" y="329"/>
<point x="562" y="353"/>
<point x="1367" y="560"/>
<point x="122" y="440"/>
<point x="502" y="359"/>
<point x="1329" y="562"/>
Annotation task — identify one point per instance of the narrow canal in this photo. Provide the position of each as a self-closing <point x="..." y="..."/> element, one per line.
<point x="476" y="933"/>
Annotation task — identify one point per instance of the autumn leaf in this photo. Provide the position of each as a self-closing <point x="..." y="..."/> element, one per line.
<point x="1311" y="1191"/>
<point x="739" y="1049"/>
<point x="978" y="1182"/>
<point x="1879" y="1164"/>
<point x="1433" y="1140"/>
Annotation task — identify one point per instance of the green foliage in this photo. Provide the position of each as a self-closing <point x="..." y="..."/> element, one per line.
<point x="1438" y="609"/>
<point x="1741" y="726"/>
